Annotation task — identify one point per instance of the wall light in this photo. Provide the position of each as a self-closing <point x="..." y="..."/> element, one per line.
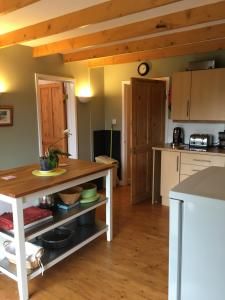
<point x="84" y="94"/>
<point x="2" y="87"/>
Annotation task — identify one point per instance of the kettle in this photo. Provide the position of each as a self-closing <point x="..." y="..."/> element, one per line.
<point x="178" y="136"/>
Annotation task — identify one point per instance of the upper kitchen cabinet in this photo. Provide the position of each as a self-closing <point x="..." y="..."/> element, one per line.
<point x="181" y="94"/>
<point x="208" y="95"/>
<point x="199" y="95"/>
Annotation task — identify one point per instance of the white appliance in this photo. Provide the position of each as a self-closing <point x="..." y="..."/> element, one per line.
<point x="197" y="237"/>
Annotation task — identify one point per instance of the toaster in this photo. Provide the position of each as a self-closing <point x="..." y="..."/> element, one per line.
<point x="200" y="141"/>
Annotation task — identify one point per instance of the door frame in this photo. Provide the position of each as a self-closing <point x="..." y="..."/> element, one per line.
<point x="124" y="179"/>
<point x="71" y="111"/>
<point x="167" y="80"/>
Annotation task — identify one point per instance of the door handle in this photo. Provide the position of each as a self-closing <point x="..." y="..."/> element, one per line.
<point x="177" y="163"/>
<point x="187" y="108"/>
<point x="202" y="160"/>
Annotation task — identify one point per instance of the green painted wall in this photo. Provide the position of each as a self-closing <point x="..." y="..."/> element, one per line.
<point x="19" y="143"/>
<point x="91" y="115"/>
<point x="115" y="74"/>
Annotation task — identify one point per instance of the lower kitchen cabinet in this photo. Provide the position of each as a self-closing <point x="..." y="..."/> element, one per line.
<point x="177" y="166"/>
<point x="192" y="163"/>
<point x="170" y="173"/>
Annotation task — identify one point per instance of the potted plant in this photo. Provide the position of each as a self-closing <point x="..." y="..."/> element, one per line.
<point x="50" y="159"/>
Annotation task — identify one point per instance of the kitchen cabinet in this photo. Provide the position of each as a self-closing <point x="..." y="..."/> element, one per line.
<point x="199" y="95"/>
<point x="170" y="173"/>
<point x="24" y="191"/>
<point x="192" y="163"/>
<point x="181" y="94"/>
<point x="207" y="95"/>
<point x="177" y="165"/>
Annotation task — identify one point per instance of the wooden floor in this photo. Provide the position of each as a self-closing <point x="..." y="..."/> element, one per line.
<point x="133" y="266"/>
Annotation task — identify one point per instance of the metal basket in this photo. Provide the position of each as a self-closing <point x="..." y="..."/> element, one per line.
<point x="33" y="254"/>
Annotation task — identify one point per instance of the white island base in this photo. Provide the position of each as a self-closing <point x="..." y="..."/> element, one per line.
<point x="25" y="190"/>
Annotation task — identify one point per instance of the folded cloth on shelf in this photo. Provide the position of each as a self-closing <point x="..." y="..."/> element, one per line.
<point x="30" y="215"/>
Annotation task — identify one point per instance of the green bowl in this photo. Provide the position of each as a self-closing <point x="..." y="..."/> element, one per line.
<point x="89" y="190"/>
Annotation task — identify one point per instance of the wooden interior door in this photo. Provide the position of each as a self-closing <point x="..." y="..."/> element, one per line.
<point x="53" y="115"/>
<point x="148" y="129"/>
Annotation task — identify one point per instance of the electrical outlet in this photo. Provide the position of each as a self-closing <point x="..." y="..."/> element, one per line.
<point x="113" y="121"/>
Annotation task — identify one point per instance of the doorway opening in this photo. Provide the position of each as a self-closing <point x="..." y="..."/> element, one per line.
<point x="59" y="91"/>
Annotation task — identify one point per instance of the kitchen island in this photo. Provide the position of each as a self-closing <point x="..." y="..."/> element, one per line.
<point x="197" y="243"/>
<point x="25" y="189"/>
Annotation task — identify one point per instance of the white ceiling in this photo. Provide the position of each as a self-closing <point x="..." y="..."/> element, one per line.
<point x="47" y="9"/>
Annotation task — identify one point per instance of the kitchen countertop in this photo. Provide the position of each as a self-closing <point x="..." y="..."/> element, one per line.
<point x="206" y="184"/>
<point x="26" y="183"/>
<point x="185" y="148"/>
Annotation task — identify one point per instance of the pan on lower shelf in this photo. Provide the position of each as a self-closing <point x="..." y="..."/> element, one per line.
<point x="57" y="238"/>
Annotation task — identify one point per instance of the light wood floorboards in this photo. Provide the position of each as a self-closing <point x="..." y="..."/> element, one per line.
<point x="134" y="266"/>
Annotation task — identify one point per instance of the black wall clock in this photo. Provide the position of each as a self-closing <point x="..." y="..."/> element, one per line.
<point x="143" y="69"/>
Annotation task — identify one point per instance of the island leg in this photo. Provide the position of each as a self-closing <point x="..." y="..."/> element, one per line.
<point x="109" y="204"/>
<point x="18" y="223"/>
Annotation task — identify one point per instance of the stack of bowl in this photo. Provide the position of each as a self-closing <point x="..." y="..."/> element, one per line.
<point x="89" y="194"/>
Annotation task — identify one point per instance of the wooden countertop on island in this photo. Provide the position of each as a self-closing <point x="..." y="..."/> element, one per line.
<point x="26" y="183"/>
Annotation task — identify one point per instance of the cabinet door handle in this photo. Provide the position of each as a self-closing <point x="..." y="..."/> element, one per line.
<point x="195" y="170"/>
<point x="202" y="160"/>
<point x="177" y="163"/>
<point x="187" y="108"/>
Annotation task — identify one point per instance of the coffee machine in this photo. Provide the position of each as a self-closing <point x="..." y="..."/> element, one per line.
<point x="178" y="136"/>
<point x="222" y="139"/>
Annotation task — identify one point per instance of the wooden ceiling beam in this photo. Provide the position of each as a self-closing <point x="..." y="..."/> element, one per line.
<point x="167" y="40"/>
<point x="202" y="14"/>
<point x="90" y="15"/>
<point x="195" y="48"/>
<point x="7" y="6"/>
